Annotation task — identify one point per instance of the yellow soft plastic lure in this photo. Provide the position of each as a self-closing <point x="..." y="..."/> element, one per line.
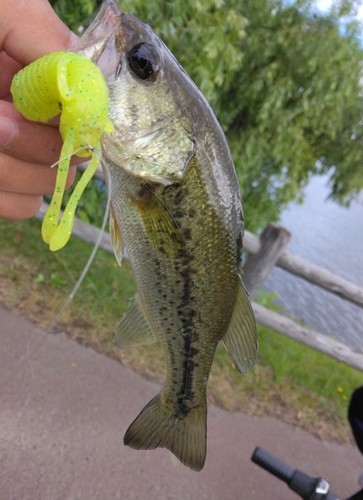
<point x="69" y="84"/>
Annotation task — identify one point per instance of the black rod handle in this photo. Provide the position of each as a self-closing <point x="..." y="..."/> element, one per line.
<point x="272" y="464"/>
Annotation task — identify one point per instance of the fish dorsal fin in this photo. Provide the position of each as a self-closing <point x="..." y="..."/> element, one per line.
<point x="162" y="230"/>
<point x="241" y="337"/>
<point x="116" y="238"/>
<point x="134" y="328"/>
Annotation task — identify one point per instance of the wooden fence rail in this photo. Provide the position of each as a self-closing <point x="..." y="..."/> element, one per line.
<point x="310" y="272"/>
<point x="306" y="336"/>
<point x="264" y="253"/>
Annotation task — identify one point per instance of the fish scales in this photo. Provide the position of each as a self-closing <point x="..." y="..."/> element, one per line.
<point x="177" y="293"/>
<point x="176" y="207"/>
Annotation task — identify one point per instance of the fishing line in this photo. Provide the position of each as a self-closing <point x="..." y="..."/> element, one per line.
<point x="89" y="147"/>
<point x="67" y="156"/>
<point x="73" y="292"/>
<point x="86" y="267"/>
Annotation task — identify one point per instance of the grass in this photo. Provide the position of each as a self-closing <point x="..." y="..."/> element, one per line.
<point x="290" y="381"/>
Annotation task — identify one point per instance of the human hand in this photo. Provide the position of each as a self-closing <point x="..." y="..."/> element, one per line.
<point x="28" y="30"/>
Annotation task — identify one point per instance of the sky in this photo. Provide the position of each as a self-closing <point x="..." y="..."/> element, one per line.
<point x="324" y="6"/>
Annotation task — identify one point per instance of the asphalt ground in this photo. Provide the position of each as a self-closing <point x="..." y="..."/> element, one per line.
<point x="64" y="410"/>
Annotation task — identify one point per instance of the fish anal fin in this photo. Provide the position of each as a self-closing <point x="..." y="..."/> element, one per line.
<point x="161" y="228"/>
<point x="157" y="426"/>
<point x="134" y="328"/>
<point x="116" y="238"/>
<point x="240" y="339"/>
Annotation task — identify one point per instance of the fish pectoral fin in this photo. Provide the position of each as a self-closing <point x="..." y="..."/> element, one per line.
<point x="162" y="230"/>
<point x="134" y="328"/>
<point x="240" y="339"/>
<point x="152" y="170"/>
<point x="116" y="238"/>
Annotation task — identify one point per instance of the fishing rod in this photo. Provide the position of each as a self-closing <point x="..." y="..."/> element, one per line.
<point x="314" y="488"/>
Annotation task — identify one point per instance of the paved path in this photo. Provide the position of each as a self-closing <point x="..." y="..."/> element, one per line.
<point x="64" y="411"/>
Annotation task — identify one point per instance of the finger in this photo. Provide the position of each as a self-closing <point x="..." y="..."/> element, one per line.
<point x="8" y="68"/>
<point x="29" y="141"/>
<point x="31" y="29"/>
<point x="17" y="176"/>
<point x="8" y="109"/>
<point x="14" y="206"/>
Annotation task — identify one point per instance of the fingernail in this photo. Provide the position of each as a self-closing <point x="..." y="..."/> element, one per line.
<point x="7" y="131"/>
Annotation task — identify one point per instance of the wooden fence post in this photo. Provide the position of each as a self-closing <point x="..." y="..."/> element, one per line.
<point x="274" y="239"/>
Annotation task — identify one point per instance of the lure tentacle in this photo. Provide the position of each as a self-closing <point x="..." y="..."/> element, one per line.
<point x="64" y="229"/>
<point x="65" y="93"/>
<point x="66" y="83"/>
<point x="50" y="221"/>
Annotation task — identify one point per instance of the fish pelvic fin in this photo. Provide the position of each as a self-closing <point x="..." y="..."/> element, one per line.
<point x="157" y="426"/>
<point x="134" y="328"/>
<point x="116" y="238"/>
<point x="240" y="339"/>
<point x="162" y="230"/>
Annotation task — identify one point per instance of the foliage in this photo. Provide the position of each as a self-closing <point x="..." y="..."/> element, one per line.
<point x="283" y="81"/>
<point x="75" y="13"/>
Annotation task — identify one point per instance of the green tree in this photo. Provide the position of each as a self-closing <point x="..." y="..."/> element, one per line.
<point x="283" y="81"/>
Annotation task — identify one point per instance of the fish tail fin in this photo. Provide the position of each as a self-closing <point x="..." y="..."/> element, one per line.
<point x="157" y="426"/>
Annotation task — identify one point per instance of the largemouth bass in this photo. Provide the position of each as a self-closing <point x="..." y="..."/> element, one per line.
<point x="176" y="207"/>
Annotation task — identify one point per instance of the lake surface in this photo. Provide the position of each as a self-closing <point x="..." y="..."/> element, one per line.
<point x="329" y="236"/>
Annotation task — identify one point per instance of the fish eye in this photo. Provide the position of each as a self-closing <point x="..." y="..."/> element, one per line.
<point x="144" y="61"/>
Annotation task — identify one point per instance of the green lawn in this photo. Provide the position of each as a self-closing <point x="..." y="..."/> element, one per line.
<point x="290" y="381"/>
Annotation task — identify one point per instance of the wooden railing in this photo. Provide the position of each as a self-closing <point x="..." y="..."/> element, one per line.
<point x="275" y="238"/>
<point x="265" y="252"/>
<point x="269" y="250"/>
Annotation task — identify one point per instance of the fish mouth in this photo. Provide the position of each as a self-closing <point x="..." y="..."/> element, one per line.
<point x="112" y="29"/>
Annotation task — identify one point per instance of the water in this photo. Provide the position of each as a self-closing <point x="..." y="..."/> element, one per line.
<point x="331" y="237"/>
